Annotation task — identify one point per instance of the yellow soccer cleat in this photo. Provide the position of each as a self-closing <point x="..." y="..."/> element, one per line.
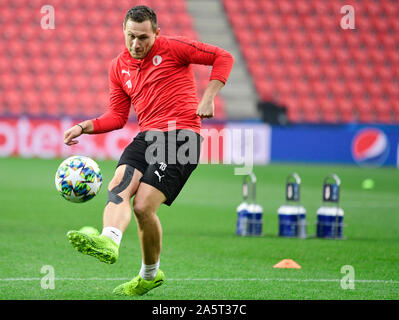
<point x="138" y="286"/>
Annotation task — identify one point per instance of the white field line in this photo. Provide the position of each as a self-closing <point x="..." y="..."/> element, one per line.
<point x="209" y="279"/>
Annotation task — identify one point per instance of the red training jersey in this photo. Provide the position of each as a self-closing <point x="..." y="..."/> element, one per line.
<point x="161" y="87"/>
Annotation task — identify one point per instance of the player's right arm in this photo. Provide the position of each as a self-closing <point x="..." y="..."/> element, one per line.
<point x="72" y="133"/>
<point x="115" y="118"/>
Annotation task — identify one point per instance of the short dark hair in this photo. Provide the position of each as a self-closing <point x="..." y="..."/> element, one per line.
<point x="141" y="14"/>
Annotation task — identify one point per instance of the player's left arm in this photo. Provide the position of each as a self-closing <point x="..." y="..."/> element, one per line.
<point x="189" y="51"/>
<point x="206" y="107"/>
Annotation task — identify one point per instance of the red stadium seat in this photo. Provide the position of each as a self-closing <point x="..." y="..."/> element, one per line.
<point x="284" y="88"/>
<point x="282" y="37"/>
<point x="274" y="22"/>
<point x="394" y="24"/>
<point x="245" y="37"/>
<point x="345" y="107"/>
<point x="302" y="89"/>
<point x="383" y="110"/>
<point x="310" y="22"/>
<point x="305" y="55"/>
<point x="356" y="88"/>
<point x="385" y="74"/>
<point x="313" y="71"/>
<point x="14" y="103"/>
<point x="308" y="103"/>
<point x="239" y="21"/>
<point x="303" y="7"/>
<point x="276" y="70"/>
<point x="32" y="103"/>
<point x="268" y="7"/>
<point x="395" y="111"/>
<point x="288" y="55"/>
<point x="311" y="114"/>
<point x="348" y="72"/>
<point x="8" y="83"/>
<point x="338" y="88"/>
<point x="317" y="39"/>
<point x="286" y="7"/>
<point x="370" y="39"/>
<point x="233" y="8"/>
<point x="270" y="54"/>
<point x="392" y="90"/>
<point x="295" y="72"/>
<point x="299" y="39"/>
<point x="292" y="22"/>
<point x="294" y="114"/>
<point x="249" y="6"/>
<point x="373" y="88"/>
<point x="257" y="22"/>
<point x="377" y="56"/>
<point x="324" y="55"/>
<point x="51" y="103"/>
<point x="251" y="54"/>
<point x="388" y="40"/>
<point x="364" y="110"/>
<point x="265" y="88"/>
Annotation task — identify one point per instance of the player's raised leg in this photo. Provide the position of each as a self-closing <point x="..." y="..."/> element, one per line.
<point x="121" y="189"/>
<point x="145" y="204"/>
<point x="116" y="218"/>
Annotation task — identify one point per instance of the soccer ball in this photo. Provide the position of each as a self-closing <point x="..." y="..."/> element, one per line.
<point x="78" y="179"/>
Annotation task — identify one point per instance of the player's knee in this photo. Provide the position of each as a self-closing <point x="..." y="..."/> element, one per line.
<point x="142" y="209"/>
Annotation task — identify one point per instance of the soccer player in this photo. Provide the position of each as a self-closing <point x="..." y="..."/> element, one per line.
<point x="154" y="74"/>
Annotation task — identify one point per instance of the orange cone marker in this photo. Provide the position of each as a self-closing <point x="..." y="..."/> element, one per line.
<point x="287" y="263"/>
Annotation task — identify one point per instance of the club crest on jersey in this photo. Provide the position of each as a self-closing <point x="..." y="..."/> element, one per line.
<point x="156" y="60"/>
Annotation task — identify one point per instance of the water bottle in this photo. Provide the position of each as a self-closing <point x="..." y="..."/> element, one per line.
<point x="249" y="213"/>
<point x="292" y="216"/>
<point x="330" y="216"/>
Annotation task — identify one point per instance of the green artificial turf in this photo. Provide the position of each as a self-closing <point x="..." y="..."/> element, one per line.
<point x="202" y="257"/>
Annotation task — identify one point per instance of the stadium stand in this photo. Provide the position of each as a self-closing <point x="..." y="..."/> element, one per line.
<point x="300" y="57"/>
<point x="64" y="71"/>
<point x="212" y="26"/>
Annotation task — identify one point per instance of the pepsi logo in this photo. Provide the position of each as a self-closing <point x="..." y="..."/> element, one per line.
<point x="370" y="147"/>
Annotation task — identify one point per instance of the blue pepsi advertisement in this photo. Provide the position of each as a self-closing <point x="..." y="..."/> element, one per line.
<point x="365" y="145"/>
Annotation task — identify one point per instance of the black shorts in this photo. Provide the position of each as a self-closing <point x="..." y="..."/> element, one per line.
<point x="166" y="159"/>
